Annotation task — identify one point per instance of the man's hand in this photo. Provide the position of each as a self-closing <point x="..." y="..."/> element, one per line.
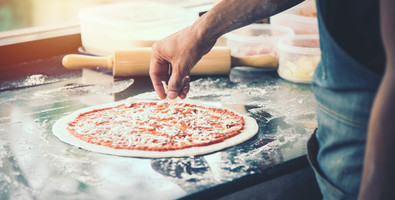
<point x="173" y="58"/>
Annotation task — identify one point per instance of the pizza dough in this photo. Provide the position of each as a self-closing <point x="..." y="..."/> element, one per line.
<point x="60" y="131"/>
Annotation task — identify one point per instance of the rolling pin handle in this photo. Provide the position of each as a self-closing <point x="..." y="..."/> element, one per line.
<point x="75" y="61"/>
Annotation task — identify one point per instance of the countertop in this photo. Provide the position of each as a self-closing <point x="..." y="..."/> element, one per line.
<point x="34" y="164"/>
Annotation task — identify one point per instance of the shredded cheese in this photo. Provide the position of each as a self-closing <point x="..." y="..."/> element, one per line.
<point x="156" y="126"/>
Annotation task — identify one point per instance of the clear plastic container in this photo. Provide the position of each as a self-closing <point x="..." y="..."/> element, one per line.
<point x="298" y="57"/>
<point x="129" y="24"/>
<point x="256" y="39"/>
<point x="302" y="18"/>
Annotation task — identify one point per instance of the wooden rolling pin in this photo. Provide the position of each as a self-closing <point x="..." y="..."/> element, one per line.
<point x="135" y="62"/>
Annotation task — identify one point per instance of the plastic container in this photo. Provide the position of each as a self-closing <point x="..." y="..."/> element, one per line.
<point x="129" y="24"/>
<point x="256" y="39"/>
<point x="302" y="18"/>
<point x="298" y="57"/>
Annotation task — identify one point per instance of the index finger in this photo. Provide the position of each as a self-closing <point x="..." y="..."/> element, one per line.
<point x="159" y="71"/>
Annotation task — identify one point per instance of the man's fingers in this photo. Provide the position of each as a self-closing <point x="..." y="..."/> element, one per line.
<point x="178" y="80"/>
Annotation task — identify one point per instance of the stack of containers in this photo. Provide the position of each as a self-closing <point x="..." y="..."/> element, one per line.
<point x="299" y="54"/>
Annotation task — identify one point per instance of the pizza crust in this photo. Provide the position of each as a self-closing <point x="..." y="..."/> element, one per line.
<point x="60" y="131"/>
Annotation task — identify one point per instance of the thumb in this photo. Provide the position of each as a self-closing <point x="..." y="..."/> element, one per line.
<point x="174" y="86"/>
<point x="176" y="81"/>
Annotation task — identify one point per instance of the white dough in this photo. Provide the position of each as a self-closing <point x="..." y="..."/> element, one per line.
<point x="60" y="131"/>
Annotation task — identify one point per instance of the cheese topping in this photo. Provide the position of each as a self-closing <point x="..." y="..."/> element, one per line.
<point x="155" y="126"/>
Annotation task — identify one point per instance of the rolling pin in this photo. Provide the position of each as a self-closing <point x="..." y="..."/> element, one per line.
<point x="136" y="61"/>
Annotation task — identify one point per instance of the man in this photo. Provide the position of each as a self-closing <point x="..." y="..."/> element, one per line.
<point x="354" y="84"/>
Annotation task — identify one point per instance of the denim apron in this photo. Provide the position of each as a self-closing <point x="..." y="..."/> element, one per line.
<point x="345" y="90"/>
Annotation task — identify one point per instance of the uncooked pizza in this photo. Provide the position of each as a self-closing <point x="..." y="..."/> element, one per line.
<point x="155" y="128"/>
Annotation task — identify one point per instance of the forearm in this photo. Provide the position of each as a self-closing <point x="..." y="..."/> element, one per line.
<point x="379" y="164"/>
<point x="232" y="14"/>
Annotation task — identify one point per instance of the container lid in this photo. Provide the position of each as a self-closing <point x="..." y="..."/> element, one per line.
<point x="259" y="32"/>
<point x="307" y="44"/>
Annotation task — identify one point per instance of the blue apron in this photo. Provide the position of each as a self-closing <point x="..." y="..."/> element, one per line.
<point x="345" y="90"/>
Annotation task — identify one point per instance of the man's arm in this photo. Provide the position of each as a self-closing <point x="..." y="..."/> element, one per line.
<point x="379" y="165"/>
<point x="182" y="50"/>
